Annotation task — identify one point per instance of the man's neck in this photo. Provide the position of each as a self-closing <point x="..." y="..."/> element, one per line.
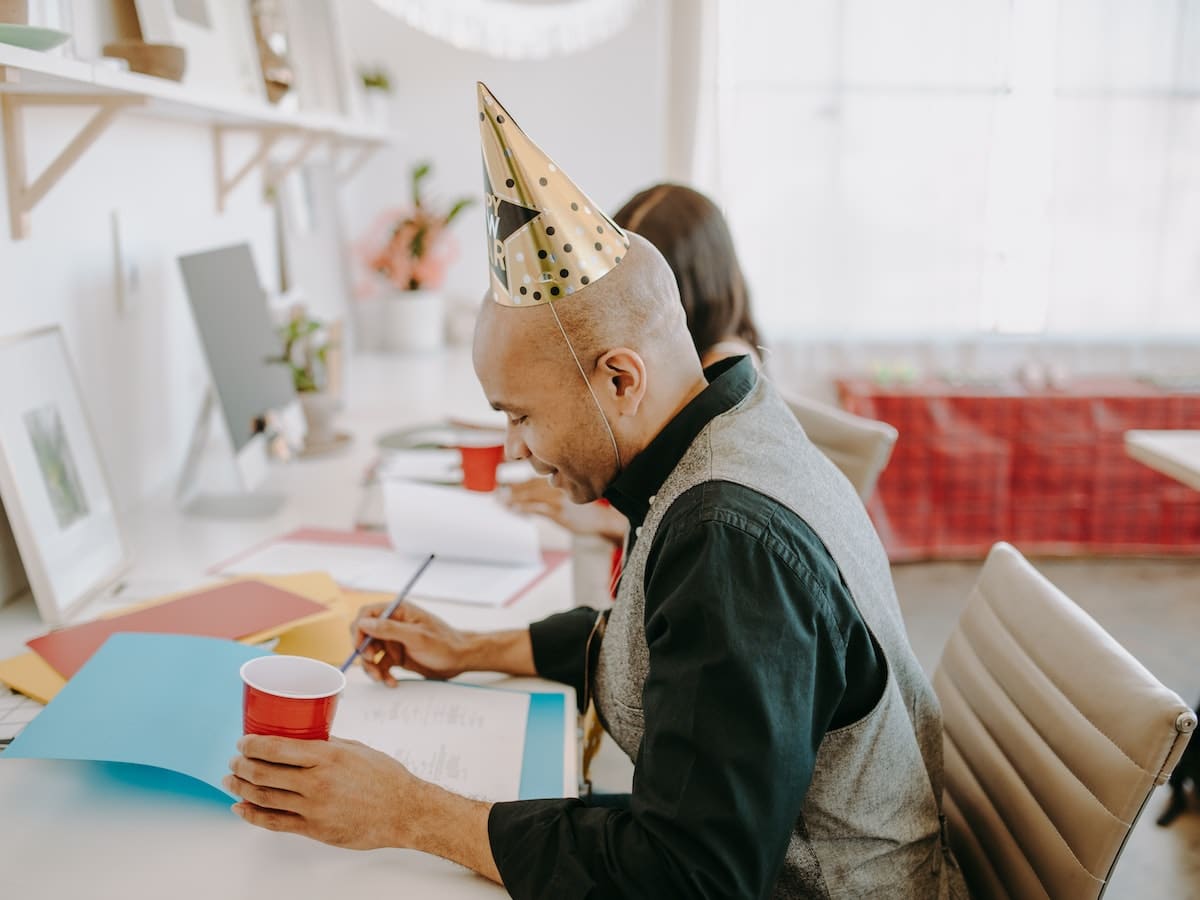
<point x="671" y="408"/>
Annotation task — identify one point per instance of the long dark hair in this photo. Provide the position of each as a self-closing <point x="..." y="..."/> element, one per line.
<point x="690" y="232"/>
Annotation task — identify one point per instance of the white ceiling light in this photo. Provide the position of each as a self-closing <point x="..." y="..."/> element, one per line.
<point x="516" y="29"/>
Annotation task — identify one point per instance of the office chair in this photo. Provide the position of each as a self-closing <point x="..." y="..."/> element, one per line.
<point x="1055" y="737"/>
<point x="859" y="446"/>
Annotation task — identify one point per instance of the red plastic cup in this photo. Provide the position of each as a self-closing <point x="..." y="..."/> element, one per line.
<point x="290" y="696"/>
<point x="479" y="466"/>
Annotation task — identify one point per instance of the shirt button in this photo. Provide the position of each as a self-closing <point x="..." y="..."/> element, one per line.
<point x="652" y="497"/>
<point x="637" y="532"/>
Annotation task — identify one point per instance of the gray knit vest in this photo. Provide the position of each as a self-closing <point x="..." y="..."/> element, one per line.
<point x="869" y="825"/>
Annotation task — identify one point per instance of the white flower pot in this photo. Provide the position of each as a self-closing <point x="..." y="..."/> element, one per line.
<point x="378" y="105"/>
<point x="370" y="323"/>
<point x="320" y="408"/>
<point x="413" y="321"/>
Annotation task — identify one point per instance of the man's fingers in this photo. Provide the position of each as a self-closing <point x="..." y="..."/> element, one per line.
<point x="268" y="775"/>
<point x="388" y="630"/>
<point x="263" y="797"/>
<point x="381" y="670"/>
<point x="270" y="819"/>
<point x="283" y="751"/>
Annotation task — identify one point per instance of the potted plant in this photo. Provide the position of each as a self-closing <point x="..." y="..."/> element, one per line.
<point x="306" y="344"/>
<point x="377" y="94"/>
<point x="408" y="251"/>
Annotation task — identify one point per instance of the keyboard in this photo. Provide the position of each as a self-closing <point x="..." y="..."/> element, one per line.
<point x="16" y="711"/>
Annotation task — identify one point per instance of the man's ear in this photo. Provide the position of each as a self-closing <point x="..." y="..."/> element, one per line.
<point x="623" y="373"/>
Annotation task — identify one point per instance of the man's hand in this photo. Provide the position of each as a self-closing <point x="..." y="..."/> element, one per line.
<point x="346" y="794"/>
<point x="338" y="792"/>
<point x="412" y="639"/>
<point x="539" y="497"/>
<point x="421" y="642"/>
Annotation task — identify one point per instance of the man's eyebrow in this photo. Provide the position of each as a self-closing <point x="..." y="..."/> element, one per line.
<point x="501" y="406"/>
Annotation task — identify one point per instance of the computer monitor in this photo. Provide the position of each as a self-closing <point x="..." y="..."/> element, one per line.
<point x="234" y="323"/>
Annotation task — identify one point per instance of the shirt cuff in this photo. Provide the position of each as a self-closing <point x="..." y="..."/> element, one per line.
<point x="529" y="853"/>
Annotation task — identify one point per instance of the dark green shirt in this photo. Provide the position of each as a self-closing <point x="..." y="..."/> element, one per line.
<point x="756" y="651"/>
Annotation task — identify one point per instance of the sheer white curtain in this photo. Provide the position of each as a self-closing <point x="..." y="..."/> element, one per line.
<point x="899" y="167"/>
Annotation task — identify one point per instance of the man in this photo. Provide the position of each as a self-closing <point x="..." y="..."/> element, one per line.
<point x="754" y="666"/>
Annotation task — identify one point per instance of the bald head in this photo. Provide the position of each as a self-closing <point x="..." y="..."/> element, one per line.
<point x="628" y="333"/>
<point x="635" y="305"/>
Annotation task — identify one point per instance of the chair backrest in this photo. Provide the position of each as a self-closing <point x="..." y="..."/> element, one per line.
<point x="1054" y="738"/>
<point x="859" y="446"/>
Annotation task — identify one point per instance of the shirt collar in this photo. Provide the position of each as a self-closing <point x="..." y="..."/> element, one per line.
<point x="729" y="381"/>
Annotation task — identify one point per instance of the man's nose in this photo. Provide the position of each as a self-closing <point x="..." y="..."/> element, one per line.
<point x="514" y="446"/>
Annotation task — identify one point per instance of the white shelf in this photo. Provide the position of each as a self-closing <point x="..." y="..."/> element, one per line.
<point x="32" y="78"/>
<point x="32" y="73"/>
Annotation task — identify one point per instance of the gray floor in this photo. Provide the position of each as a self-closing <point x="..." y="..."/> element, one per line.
<point x="1151" y="606"/>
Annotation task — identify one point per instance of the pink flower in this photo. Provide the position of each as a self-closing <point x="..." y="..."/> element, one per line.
<point x="411" y="247"/>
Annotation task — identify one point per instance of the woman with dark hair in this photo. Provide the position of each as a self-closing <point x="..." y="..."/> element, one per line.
<point x="691" y="233"/>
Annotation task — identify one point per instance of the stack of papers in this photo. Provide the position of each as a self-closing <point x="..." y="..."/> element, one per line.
<point x="486" y="554"/>
<point x="432" y="466"/>
<point x="443" y="467"/>
<point x="307" y="613"/>
<point x="231" y="611"/>
<point x="459" y="525"/>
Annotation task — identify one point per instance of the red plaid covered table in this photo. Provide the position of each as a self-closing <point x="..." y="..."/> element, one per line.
<point x="1046" y="470"/>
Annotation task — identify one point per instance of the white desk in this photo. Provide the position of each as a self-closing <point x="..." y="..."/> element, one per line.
<point x="73" y="829"/>
<point x="1174" y="453"/>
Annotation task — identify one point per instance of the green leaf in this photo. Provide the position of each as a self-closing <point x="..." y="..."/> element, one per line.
<point x="420" y="171"/>
<point x="457" y="208"/>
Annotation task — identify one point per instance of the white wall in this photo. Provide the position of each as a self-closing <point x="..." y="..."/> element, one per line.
<point x="143" y="372"/>
<point x="600" y="115"/>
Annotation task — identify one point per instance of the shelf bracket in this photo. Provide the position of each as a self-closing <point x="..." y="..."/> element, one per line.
<point x="24" y="195"/>
<point x="267" y="138"/>
<point x="282" y="170"/>
<point x="365" y="152"/>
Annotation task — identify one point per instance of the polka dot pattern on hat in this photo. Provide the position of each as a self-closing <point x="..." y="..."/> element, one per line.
<point x="531" y="207"/>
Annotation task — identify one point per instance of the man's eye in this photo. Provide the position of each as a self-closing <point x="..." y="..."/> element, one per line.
<point x="517" y="420"/>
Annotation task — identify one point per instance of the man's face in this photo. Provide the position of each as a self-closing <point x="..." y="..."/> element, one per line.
<point x="552" y="419"/>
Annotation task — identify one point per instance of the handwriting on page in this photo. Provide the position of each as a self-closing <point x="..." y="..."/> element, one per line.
<point x="468" y="740"/>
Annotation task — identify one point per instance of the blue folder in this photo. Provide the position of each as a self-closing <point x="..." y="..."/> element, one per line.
<point x="175" y="702"/>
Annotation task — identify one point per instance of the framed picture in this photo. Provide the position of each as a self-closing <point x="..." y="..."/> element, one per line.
<point x="219" y="39"/>
<point x="52" y="482"/>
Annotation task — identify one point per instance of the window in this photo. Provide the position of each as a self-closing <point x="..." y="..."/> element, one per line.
<point x="894" y="167"/>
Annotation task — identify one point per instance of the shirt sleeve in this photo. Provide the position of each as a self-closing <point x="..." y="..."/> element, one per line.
<point x="746" y="671"/>
<point x="560" y="643"/>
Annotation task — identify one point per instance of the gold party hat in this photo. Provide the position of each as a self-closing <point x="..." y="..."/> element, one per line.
<point x="545" y="238"/>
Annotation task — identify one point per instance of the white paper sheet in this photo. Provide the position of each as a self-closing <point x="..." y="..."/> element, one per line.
<point x="457" y="524"/>
<point x="433" y="466"/>
<point x="382" y="569"/>
<point x="468" y="740"/>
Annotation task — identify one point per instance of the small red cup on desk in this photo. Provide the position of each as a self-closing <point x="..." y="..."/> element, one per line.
<point x="290" y="696"/>
<point x="479" y="465"/>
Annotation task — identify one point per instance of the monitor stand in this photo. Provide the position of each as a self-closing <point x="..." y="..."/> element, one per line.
<point x="250" y="463"/>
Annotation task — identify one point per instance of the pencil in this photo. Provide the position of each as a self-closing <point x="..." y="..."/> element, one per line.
<point x="387" y="613"/>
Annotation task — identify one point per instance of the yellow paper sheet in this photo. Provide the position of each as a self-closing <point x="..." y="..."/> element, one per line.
<point x="32" y="676"/>
<point x="329" y="639"/>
